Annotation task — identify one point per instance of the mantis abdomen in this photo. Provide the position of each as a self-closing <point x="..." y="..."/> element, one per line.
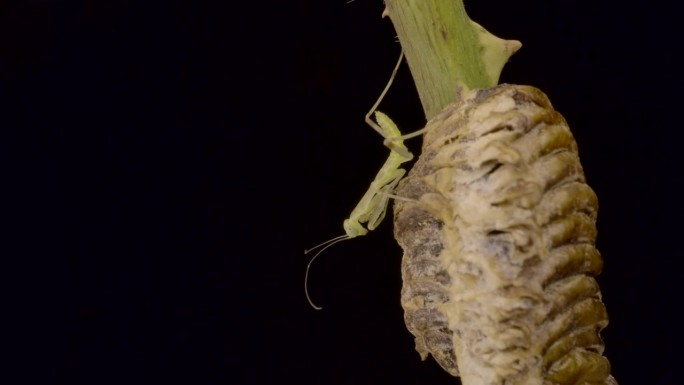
<point x="498" y="238"/>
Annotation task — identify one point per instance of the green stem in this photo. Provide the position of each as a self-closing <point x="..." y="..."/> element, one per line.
<point x="446" y="50"/>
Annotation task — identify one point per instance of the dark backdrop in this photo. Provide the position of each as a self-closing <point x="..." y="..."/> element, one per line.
<point x="171" y="160"/>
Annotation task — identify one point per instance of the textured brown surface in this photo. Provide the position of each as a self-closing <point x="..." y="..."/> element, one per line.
<point x="499" y="253"/>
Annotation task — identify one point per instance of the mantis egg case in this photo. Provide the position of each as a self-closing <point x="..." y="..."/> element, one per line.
<point x="499" y="245"/>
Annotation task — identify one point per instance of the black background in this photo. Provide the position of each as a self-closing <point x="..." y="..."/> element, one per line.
<point x="170" y="161"/>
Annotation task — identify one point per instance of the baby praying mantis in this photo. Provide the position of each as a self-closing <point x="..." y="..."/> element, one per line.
<point x="372" y="207"/>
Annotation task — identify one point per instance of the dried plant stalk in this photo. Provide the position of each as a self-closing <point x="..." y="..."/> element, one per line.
<point x="499" y="257"/>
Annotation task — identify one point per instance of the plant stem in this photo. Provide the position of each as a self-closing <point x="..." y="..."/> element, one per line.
<point x="446" y="50"/>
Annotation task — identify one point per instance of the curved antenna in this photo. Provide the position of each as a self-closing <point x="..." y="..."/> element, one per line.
<point x="307" y="251"/>
<point x="325" y="245"/>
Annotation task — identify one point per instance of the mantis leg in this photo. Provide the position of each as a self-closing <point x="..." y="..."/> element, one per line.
<point x="393" y="139"/>
<point x="383" y="196"/>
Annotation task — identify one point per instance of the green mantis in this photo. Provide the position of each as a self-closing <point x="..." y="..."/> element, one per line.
<point x="372" y="207"/>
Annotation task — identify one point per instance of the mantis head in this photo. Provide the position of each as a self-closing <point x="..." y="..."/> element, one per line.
<point x="353" y="228"/>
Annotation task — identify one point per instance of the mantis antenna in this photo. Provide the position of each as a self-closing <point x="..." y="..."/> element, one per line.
<point x="372" y="207"/>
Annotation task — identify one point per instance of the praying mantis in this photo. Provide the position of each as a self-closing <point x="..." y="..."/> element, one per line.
<point x="372" y="207"/>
